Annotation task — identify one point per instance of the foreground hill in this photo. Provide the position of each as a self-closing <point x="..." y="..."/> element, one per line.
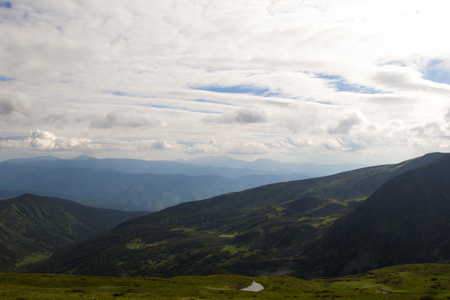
<point x="420" y="281"/>
<point x="31" y="227"/>
<point x="252" y="232"/>
<point x="407" y="220"/>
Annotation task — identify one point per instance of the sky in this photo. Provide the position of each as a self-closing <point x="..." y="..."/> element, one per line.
<point x="326" y="81"/>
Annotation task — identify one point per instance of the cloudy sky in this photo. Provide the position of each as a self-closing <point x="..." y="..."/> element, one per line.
<point x="295" y="80"/>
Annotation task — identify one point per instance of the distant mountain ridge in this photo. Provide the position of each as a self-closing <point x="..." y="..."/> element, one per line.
<point x="130" y="184"/>
<point x="265" y="230"/>
<point x="222" y="165"/>
<point x="113" y="189"/>
<point x="32" y="227"/>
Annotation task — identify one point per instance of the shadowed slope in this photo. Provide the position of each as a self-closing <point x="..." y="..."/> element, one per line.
<point x="33" y="226"/>
<point x="407" y="220"/>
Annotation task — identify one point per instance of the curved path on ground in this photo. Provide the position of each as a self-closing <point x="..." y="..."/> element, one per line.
<point x="255" y="287"/>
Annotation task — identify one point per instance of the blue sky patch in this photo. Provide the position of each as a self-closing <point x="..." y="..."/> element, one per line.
<point x="211" y="101"/>
<point x="4" y="78"/>
<point x="237" y="89"/>
<point x="436" y="71"/>
<point x="119" y="93"/>
<point x="5" y="4"/>
<point x="342" y="85"/>
<point x="182" y="108"/>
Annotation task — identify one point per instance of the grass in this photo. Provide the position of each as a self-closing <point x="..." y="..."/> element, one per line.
<point x="31" y="259"/>
<point x="424" y="281"/>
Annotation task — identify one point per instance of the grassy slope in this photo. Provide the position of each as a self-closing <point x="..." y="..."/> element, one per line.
<point x="427" y="281"/>
<point x="221" y="242"/>
<point x="32" y="226"/>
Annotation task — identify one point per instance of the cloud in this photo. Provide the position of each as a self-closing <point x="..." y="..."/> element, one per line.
<point x="165" y="144"/>
<point x="17" y="108"/>
<point x="124" y="76"/>
<point x="44" y="140"/>
<point x="428" y="129"/>
<point x="247" y="148"/>
<point x="241" y="148"/>
<point x="210" y="147"/>
<point x="240" y="116"/>
<point x="346" y="124"/>
<point x="120" y="119"/>
<point x="447" y="116"/>
<point x="402" y="78"/>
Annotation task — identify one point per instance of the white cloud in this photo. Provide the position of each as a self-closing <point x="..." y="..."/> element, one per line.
<point x="123" y="76"/>
<point x="209" y="148"/>
<point x="44" y="140"/>
<point x="247" y="148"/>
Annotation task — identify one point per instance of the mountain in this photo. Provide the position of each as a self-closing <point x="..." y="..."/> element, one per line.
<point x="270" y="167"/>
<point x="113" y="189"/>
<point x="407" y="220"/>
<point x="211" y="165"/>
<point x="257" y="231"/>
<point x="38" y="159"/>
<point x="131" y="184"/>
<point x="136" y="166"/>
<point x="31" y="227"/>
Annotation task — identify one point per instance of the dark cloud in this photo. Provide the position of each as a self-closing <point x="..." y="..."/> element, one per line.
<point x="17" y="109"/>
<point x="242" y="116"/>
<point x="447" y="116"/>
<point x="6" y="107"/>
<point x="119" y="119"/>
<point x="428" y="129"/>
<point x="346" y="124"/>
<point x="58" y="119"/>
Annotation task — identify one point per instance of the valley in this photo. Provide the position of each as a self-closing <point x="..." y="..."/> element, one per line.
<point x="373" y="232"/>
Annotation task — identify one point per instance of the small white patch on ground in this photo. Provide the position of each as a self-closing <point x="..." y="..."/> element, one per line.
<point x="255" y="287"/>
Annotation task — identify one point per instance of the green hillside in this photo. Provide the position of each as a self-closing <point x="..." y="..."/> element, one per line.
<point x="407" y="220"/>
<point x="258" y="231"/>
<point x="32" y="227"/>
<point x="421" y="282"/>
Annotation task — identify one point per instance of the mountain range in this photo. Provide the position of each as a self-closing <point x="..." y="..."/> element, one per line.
<point x="129" y="184"/>
<point x="210" y="165"/>
<point x="338" y="224"/>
